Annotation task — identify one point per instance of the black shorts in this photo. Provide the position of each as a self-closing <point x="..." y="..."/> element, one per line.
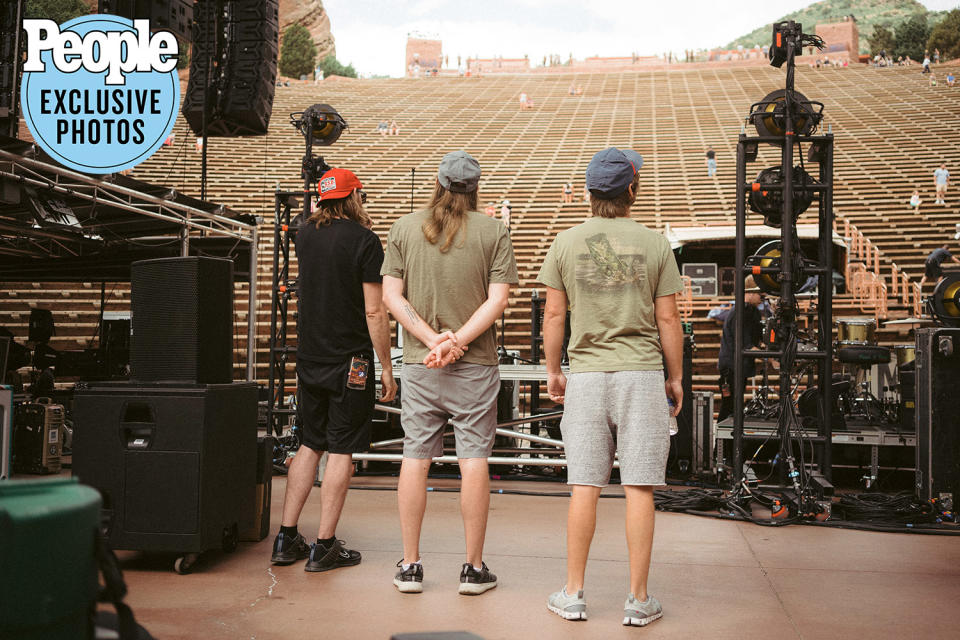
<point x="932" y="269"/>
<point x="334" y="418"/>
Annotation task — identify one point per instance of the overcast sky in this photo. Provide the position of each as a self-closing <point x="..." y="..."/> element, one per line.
<point x="372" y="34"/>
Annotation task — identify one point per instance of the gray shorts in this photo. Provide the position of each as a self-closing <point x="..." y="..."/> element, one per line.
<point x="463" y="394"/>
<point x="622" y="412"/>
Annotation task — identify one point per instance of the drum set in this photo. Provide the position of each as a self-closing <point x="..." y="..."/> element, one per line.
<point x="858" y="351"/>
<point x="862" y="395"/>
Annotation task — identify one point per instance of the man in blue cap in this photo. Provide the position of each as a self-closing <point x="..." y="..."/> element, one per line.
<point x="620" y="280"/>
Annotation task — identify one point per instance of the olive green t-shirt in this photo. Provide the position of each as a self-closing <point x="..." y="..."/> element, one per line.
<point x="612" y="270"/>
<point x="446" y="288"/>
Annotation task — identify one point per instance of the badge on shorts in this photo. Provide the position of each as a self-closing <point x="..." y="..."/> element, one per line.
<point x="357" y="378"/>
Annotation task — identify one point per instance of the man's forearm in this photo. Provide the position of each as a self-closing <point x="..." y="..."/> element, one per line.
<point x="671" y="340"/>
<point x="553" y="341"/>
<point x="378" y="324"/>
<point x="481" y="320"/>
<point x="409" y="319"/>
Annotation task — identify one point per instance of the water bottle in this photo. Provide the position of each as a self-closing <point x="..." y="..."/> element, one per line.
<point x="671" y="419"/>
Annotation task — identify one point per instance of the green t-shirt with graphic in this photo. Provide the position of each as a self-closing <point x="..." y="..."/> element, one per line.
<point x="446" y="288"/>
<point x="612" y="270"/>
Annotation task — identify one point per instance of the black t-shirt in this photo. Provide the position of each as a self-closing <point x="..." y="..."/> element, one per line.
<point x="752" y="333"/>
<point x="711" y="154"/>
<point x="938" y="256"/>
<point x="334" y="261"/>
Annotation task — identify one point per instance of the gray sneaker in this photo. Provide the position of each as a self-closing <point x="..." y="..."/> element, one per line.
<point x="567" y="606"/>
<point x="640" y="614"/>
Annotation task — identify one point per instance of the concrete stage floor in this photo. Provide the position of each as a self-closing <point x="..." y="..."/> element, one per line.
<point x="716" y="579"/>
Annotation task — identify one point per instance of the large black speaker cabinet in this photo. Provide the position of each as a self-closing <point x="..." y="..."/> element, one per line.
<point x="170" y="15"/>
<point x="938" y="412"/>
<point x="182" y="320"/>
<point x="10" y="46"/>
<point x="237" y="41"/>
<point x="175" y="465"/>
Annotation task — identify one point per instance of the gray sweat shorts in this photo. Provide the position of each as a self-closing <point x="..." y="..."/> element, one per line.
<point x="622" y="412"/>
<point x="463" y="394"/>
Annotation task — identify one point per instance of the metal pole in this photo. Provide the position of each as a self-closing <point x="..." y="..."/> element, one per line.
<point x="540" y="462"/>
<point x="741" y="251"/>
<point x="274" y="310"/>
<point x="252" y="309"/>
<point x="826" y="309"/>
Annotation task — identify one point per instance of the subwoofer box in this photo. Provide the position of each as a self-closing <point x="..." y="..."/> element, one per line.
<point x="174" y="464"/>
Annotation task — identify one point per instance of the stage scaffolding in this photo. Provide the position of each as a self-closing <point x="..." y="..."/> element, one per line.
<point x="59" y="225"/>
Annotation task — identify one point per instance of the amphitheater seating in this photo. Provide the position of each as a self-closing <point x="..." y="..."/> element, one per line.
<point x="892" y="130"/>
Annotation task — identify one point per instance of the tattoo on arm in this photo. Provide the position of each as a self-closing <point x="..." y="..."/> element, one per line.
<point x="410" y="313"/>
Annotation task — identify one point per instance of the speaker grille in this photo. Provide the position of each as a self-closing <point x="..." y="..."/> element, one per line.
<point x="242" y="37"/>
<point x="182" y="320"/>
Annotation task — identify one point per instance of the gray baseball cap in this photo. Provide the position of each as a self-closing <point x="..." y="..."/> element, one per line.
<point x="459" y="172"/>
<point x="611" y="171"/>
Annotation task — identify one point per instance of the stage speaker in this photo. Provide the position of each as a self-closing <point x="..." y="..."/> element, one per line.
<point x="182" y="320"/>
<point x="41" y="327"/>
<point x="11" y="17"/>
<point x="937" y="412"/>
<point x="237" y="41"/>
<point x="175" y="465"/>
<point x="175" y="16"/>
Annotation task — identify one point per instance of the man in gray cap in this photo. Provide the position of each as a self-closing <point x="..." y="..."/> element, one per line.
<point x="446" y="279"/>
<point x="619" y="279"/>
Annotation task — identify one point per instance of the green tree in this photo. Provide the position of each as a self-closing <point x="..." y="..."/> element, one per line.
<point x="881" y="40"/>
<point x="332" y="67"/>
<point x="184" y="60"/>
<point x="298" y="53"/>
<point x="946" y="36"/>
<point x="911" y="36"/>
<point x="57" y="10"/>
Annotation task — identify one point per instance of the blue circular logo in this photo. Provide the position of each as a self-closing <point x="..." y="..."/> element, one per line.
<point x="99" y="93"/>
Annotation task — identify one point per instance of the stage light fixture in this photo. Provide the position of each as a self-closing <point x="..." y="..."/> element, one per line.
<point x="766" y="195"/>
<point x="321" y="123"/>
<point x="946" y="300"/>
<point x="769" y="115"/>
<point x="768" y="256"/>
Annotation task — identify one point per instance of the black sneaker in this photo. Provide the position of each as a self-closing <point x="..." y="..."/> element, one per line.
<point x="323" y="559"/>
<point x="473" y="582"/>
<point x="411" y="580"/>
<point x="287" y="549"/>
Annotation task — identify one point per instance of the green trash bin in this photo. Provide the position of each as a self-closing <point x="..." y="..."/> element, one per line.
<point x="48" y="567"/>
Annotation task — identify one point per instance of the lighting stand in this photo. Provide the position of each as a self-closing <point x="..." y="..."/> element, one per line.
<point x="789" y="272"/>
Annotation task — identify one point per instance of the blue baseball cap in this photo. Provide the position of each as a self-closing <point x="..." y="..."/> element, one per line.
<point x="611" y="171"/>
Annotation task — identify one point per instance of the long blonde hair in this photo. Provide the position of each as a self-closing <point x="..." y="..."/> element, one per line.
<point x="448" y="214"/>
<point x="349" y="208"/>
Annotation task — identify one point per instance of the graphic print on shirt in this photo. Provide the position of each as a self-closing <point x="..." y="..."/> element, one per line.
<point x="605" y="268"/>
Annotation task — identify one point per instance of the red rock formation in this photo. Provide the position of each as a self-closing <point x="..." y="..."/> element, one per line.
<point x="312" y="15"/>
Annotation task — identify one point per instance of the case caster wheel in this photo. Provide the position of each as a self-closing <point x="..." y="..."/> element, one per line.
<point x="184" y="564"/>
<point x="230" y="540"/>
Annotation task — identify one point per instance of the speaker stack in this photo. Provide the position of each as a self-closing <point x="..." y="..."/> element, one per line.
<point x="937" y="413"/>
<point x="236" y="41"/>
<point x="174" y="450"/>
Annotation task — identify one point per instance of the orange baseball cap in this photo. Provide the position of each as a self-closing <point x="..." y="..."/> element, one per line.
<point x="337" y="183"/>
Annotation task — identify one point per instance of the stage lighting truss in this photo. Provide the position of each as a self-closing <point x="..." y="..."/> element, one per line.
<point x="769" y="115"/>
<point x="766" y="195"/>
<point x="320" y="123"/>
<point x="768" y="257"/>
<point x="946" y="300"/>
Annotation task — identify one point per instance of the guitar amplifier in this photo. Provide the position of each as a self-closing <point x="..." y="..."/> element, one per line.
<point x="36" y="438"/>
